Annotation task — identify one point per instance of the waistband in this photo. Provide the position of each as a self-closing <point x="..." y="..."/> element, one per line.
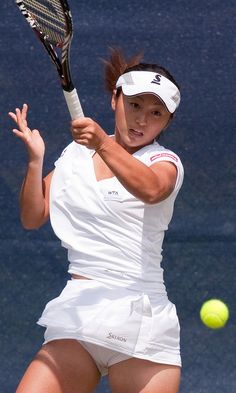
<point x="114" y="278"/>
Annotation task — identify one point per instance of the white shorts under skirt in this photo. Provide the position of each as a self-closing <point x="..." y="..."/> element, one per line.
<point x="132" y="323"/>
<point x="103" y="357"/>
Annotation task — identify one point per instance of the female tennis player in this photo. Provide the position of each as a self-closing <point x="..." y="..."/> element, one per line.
<point x="110" y="199"/>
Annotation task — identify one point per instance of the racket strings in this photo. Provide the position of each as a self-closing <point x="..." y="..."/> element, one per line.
<point x="50" y="18"/>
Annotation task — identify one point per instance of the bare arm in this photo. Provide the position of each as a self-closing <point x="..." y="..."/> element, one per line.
<point x="149" y="184"/>
<point x="34" y="196"/>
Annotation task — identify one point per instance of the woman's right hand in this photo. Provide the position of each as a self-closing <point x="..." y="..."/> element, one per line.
<point x="32" y="139"/>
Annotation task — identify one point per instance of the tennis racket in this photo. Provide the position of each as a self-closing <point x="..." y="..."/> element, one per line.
<point x="51" y="21"/>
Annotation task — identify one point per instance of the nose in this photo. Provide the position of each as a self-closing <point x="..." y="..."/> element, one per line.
<point x="141" y="119"/>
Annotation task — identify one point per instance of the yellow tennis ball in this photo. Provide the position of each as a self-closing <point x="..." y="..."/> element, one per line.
<point x="214" y="313"/>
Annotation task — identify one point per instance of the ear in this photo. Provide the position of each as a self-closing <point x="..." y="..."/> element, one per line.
<point x="113" y="100"/>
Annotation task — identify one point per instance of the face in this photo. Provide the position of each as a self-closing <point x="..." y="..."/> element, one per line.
<point x="139" y="120"/>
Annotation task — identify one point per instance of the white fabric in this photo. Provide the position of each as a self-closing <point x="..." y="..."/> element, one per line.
<point x="147" y="82"/>
<point x="116" y="240"/>
<point x="103" y="357"/>
<point x="121" y="319"/>
<point x="111" y="234"/>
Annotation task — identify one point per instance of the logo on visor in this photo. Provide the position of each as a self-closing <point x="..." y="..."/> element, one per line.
<point x="157" y="79"/>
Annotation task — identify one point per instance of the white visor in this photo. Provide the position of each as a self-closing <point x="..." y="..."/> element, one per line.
<point x="147" y="82"/>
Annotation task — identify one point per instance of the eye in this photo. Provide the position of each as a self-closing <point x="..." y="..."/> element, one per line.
<point x="134" y="105"/>
<point x="156" y="113"/>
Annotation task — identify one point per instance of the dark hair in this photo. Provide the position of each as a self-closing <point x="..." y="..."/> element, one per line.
<point x="118" y="65"/>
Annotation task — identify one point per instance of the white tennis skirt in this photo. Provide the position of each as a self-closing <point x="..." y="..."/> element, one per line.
<point x="135" y="323"/>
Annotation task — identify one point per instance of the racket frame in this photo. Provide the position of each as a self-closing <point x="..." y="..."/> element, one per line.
<point x="63" y="65"/>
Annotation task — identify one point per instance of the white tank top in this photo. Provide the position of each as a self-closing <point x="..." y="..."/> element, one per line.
<point x="110" y="235"/>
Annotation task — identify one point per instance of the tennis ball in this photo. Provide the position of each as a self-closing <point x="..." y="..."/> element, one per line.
<point x="214" y="313"/>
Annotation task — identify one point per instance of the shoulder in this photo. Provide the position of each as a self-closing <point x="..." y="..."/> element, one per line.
<point x="72" y="150"/>
<point x="69" y="148"/>
<point x="154" y="153"/>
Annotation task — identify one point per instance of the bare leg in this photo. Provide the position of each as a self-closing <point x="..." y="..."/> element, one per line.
<point x="61" y="366"/>
<point x="141" y="376"/>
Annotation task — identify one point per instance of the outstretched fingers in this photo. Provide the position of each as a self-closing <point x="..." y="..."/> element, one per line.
<point x="19" y="117"/>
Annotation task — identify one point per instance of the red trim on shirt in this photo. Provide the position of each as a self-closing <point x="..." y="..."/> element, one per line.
<point x="159" y="155"/>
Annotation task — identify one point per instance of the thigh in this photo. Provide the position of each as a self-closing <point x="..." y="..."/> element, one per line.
<point x="142" y="376"/>
<point x="61" y="366"/>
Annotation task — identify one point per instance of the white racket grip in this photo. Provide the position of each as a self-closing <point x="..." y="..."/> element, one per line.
<point x="73" y="104"/>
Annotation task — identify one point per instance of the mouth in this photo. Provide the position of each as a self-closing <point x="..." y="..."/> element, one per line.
<point x="136" y="132"/>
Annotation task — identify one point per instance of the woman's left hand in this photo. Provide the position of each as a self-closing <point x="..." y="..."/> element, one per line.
<point x="87" y="132"/>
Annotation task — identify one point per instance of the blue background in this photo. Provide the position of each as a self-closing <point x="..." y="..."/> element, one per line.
<point x="195" y="40"/>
